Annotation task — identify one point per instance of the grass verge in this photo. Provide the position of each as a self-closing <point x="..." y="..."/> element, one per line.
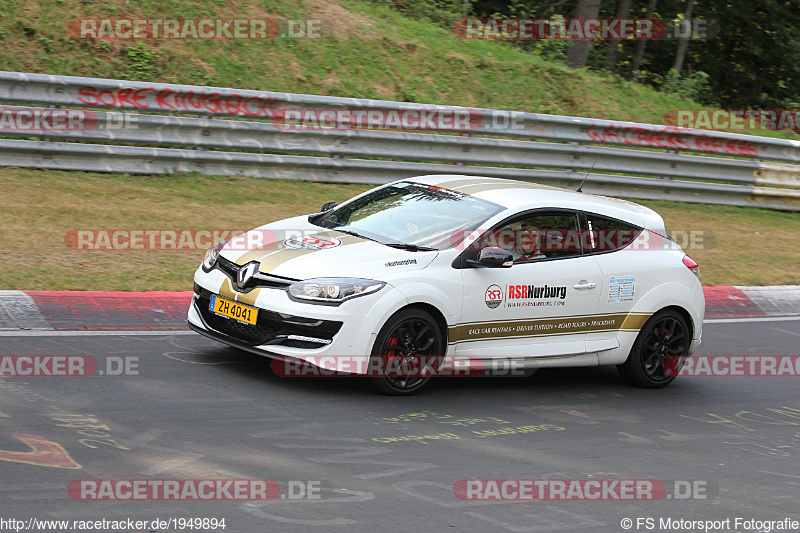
<point x="370" y="51"/>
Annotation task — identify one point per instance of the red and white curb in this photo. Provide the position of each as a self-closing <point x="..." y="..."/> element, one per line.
<point x="19" y="311"/>
<point x="166" y="311"/>
<point x="780" y="300"/>
<point x="741" y="302"/>
<point x="93" y="310"/>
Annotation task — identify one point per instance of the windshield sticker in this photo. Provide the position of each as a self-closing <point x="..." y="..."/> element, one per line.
<point x="401" y="263"/>
<point x="310" y="242"/>
<point x="621" y="289"/>
<point x="449" y="191"/>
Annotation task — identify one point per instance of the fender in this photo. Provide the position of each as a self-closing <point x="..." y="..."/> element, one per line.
<point x="448" y="303"/>
<point x="358" y="351"/>
<point x="437" y="285"/>
<point x="677" y="295"/>
<point x="664" y="295"/>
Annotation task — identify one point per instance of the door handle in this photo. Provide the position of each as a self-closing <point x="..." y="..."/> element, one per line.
<point x="585" y="286"/>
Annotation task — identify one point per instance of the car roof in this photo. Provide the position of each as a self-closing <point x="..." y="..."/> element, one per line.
<point x="522" y="195"/>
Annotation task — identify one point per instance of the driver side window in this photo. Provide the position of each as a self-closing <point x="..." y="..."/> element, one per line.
<point x="540" y="236"/>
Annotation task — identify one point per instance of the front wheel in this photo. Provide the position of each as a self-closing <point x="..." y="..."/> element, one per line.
<point x="659" y="348"/>
<point x="411" y="341"/>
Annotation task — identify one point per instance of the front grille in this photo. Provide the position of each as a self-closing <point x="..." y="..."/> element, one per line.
<point x="270" y="327"/>
<point x="228" y="267"/>
<point x="231" y="269"/>
<point x="251" y="334"/>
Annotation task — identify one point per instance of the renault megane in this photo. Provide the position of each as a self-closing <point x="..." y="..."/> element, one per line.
<point x="464" y="271"/>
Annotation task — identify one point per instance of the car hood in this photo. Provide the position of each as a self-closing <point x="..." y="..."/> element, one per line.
<point x="295" y="248"/>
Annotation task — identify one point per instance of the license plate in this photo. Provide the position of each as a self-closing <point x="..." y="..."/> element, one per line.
<point x="236" y="311"/>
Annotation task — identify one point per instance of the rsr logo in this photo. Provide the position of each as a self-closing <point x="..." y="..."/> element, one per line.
<point x="311" y="242"/>
<point x="494" y="296"/>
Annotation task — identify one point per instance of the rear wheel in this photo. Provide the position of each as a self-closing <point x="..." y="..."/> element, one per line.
<point x="658" y="351"/>
<point x="410" y="342"/>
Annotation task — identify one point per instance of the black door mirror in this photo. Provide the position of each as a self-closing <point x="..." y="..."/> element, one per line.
<point x="492" y="257"/>
<point x="328" y="206"/>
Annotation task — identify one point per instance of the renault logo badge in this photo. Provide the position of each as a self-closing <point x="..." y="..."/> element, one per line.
<point x="246" y="273"/>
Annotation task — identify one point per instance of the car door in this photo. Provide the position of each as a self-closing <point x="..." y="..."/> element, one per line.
<point x="541" y="305"/>
<point x="625" y="272"/>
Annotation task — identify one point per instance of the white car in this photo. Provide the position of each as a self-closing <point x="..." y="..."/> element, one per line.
<point x="471" y="273"/>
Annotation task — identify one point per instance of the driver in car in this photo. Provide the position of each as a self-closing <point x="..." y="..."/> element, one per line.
<point x="527" y="241"/>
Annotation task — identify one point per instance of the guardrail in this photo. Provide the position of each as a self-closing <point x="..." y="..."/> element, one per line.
<point x="165" y="128"/>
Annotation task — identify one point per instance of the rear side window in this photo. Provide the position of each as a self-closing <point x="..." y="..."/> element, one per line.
<point x="604" y="234"/>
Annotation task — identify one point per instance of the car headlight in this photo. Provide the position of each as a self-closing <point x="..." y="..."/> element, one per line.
<point x="211" y="255"/>
<point x="333" y="290"/>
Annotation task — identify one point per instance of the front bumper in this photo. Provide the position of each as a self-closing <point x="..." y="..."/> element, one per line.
<point x="271" y="329"/>
<point x="350" y="328"/>
<point x="230" y="341"/>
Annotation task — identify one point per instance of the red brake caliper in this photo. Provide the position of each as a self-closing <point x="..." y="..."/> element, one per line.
<point x="390" y="354"/>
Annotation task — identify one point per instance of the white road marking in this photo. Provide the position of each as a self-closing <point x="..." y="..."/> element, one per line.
<point x="750" y="319"/>
<point x="94" y="333"/>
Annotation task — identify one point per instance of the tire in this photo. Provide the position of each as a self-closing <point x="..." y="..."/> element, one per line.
<point x="651" y="364"/>
<point x="406" y="338"/>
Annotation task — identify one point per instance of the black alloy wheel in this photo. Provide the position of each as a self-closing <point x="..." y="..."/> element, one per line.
<point x="658" y="353"/>
<point x="407" y="352"/>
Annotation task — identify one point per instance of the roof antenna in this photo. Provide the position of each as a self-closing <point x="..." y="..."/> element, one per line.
<point x="587" y="174"/>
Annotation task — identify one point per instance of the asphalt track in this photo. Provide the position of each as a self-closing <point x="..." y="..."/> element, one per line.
<point x="199" y="410"/>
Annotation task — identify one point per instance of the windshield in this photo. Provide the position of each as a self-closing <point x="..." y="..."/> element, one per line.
<point x="410" y="213"/>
